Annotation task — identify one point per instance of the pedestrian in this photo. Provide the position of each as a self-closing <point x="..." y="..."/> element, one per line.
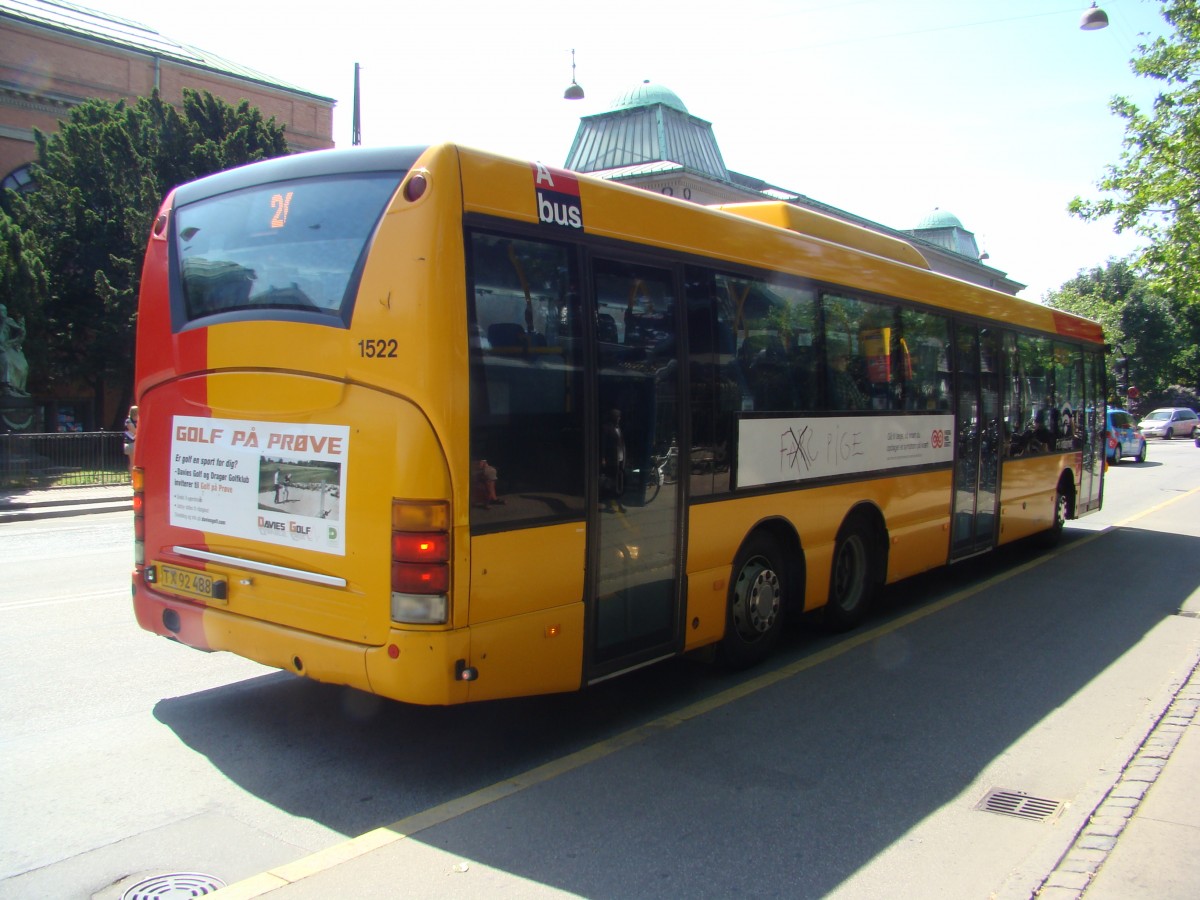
<point x="131" y="423"/>
<point x="612" y="462"/>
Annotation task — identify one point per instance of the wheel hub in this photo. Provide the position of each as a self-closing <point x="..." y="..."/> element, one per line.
<point x="758" y="600"/>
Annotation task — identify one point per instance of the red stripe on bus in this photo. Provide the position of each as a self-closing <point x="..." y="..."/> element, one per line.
<point x="552" y="179"/>
<point x="1070" y="326"/>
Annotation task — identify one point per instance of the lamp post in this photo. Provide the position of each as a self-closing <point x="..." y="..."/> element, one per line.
<point x="1125" y="386"/>
<point x="356" y="125"/>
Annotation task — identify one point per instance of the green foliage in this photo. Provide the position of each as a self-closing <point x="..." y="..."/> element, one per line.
<point x="1155" y="187"/>
<point x="101" y="179"/>
<point x="24" y="285"/>
<point x="1146" y="333"/>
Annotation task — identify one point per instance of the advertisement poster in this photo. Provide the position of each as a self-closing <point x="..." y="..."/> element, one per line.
<point x="771" y="451"/>
<point x="277" y="482"/>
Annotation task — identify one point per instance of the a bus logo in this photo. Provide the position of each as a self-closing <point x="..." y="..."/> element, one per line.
<point x="556" y="192"/>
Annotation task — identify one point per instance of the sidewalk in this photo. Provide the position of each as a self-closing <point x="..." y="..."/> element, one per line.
<point x="23" y="506"/>
<point x="1143" y="840"/>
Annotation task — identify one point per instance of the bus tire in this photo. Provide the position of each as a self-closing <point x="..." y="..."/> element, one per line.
<point x="1062" y="508"/>
<point x="854" y="575"/>
<point x="755" y="610"/>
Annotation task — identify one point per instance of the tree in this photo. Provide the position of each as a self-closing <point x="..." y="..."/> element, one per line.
<point x="101" y="179"/>
<point x="1150" y="337"/>
<point x="24" y="285"/>
<point x="1157" y="182"/>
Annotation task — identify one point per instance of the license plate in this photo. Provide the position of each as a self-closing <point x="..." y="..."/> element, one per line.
<point x="191" y="583"/>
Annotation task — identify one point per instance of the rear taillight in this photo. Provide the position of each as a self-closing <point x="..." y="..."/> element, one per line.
<point x="137" y="479"/>
<point x="420" y="562"/>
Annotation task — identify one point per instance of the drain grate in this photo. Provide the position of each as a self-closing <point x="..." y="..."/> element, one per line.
<point x="1021" y="805"/>
<point x="169" y="887"/>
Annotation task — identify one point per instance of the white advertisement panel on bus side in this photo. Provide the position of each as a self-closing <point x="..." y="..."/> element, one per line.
<point x="798" y="448"/>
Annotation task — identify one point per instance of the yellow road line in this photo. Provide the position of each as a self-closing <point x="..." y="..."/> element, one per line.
<point x="323" y="860"/>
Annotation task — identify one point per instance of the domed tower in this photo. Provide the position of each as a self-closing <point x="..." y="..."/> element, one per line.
<point x="649" y="138"/>
<point x="945" y="230"/>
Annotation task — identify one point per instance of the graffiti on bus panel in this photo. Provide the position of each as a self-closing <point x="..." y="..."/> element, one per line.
<point x="278" y="482"/>
<point x="776" y="450"/>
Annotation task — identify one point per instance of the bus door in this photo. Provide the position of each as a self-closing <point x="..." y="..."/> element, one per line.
<point x="635" y="541"/>
<point x="977" y="426"/>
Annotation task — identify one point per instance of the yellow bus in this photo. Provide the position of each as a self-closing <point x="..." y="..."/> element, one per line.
<point x="446" y="426"/>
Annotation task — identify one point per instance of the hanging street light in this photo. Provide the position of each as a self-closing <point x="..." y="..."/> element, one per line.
<point x="574" y="91"/>
<point x="1094" y="19"/>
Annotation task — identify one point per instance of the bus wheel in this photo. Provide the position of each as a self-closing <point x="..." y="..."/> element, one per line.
<point x="754" y="617"/>
<point x="853" y="577"/>
<point x="1062" y="506"/>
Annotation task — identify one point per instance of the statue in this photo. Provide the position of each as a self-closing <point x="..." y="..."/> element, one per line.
<point x="14" y="368"/>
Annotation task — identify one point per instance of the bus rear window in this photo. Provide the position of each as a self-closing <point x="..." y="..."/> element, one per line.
<point x="286" y="249"/>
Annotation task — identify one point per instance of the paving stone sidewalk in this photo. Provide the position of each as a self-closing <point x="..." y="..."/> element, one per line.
<point x="1155" y="763"/>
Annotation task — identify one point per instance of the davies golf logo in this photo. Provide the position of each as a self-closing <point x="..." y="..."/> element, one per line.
<point x="557" y="194"/>
<point x="271" y="526"/>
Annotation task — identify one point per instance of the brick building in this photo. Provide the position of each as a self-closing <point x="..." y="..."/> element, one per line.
<point x="55" y="55"/>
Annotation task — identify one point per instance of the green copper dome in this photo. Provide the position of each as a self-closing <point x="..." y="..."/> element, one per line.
<point x="647" y="94"/>
<point x="939" y="218"/>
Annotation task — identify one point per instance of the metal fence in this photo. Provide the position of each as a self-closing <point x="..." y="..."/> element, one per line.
<point x="62" y="460"/>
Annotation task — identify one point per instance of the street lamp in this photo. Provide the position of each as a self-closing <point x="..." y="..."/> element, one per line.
<point x="1093" y="19"/>
<point x="574" y="91"/>
<point x="1126" y="388"/>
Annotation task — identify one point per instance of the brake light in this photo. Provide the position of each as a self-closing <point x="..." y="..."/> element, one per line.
<point x="420" y="561"/>
<point x="409" y="578"/>
<point x="158" y="231"/>
<point x="420" y="548"/>
<point x="415" y="187"/>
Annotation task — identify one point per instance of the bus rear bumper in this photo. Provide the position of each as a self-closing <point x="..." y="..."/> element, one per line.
<point x="412" y="667"/>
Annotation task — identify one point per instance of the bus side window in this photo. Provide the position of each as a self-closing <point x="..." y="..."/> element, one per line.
<point x="925" y="360"/>
<point x="771" y="320"/>
<point x="526" y="385"/>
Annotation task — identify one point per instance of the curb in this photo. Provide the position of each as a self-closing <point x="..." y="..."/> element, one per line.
<point x="1070" y="879"/>
<point x="54" y="509"/>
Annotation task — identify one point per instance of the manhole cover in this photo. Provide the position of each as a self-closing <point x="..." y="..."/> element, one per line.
<point x="1021" y="805"/>
<point x="170" y="887"/>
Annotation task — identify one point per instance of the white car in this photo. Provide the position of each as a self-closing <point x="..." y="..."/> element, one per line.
<point x="1169" y="422"/>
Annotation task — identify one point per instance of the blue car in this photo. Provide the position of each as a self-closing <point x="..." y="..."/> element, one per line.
<point x="1124" y="437"/>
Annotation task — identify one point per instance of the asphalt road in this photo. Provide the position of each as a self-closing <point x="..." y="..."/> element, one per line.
<point x="846" y="767"/>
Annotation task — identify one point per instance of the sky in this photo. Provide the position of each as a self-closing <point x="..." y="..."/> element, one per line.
<point x="997" y="113"/>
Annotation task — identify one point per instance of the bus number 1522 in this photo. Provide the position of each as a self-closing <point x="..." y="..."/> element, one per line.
<point x="380" y="349"/>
